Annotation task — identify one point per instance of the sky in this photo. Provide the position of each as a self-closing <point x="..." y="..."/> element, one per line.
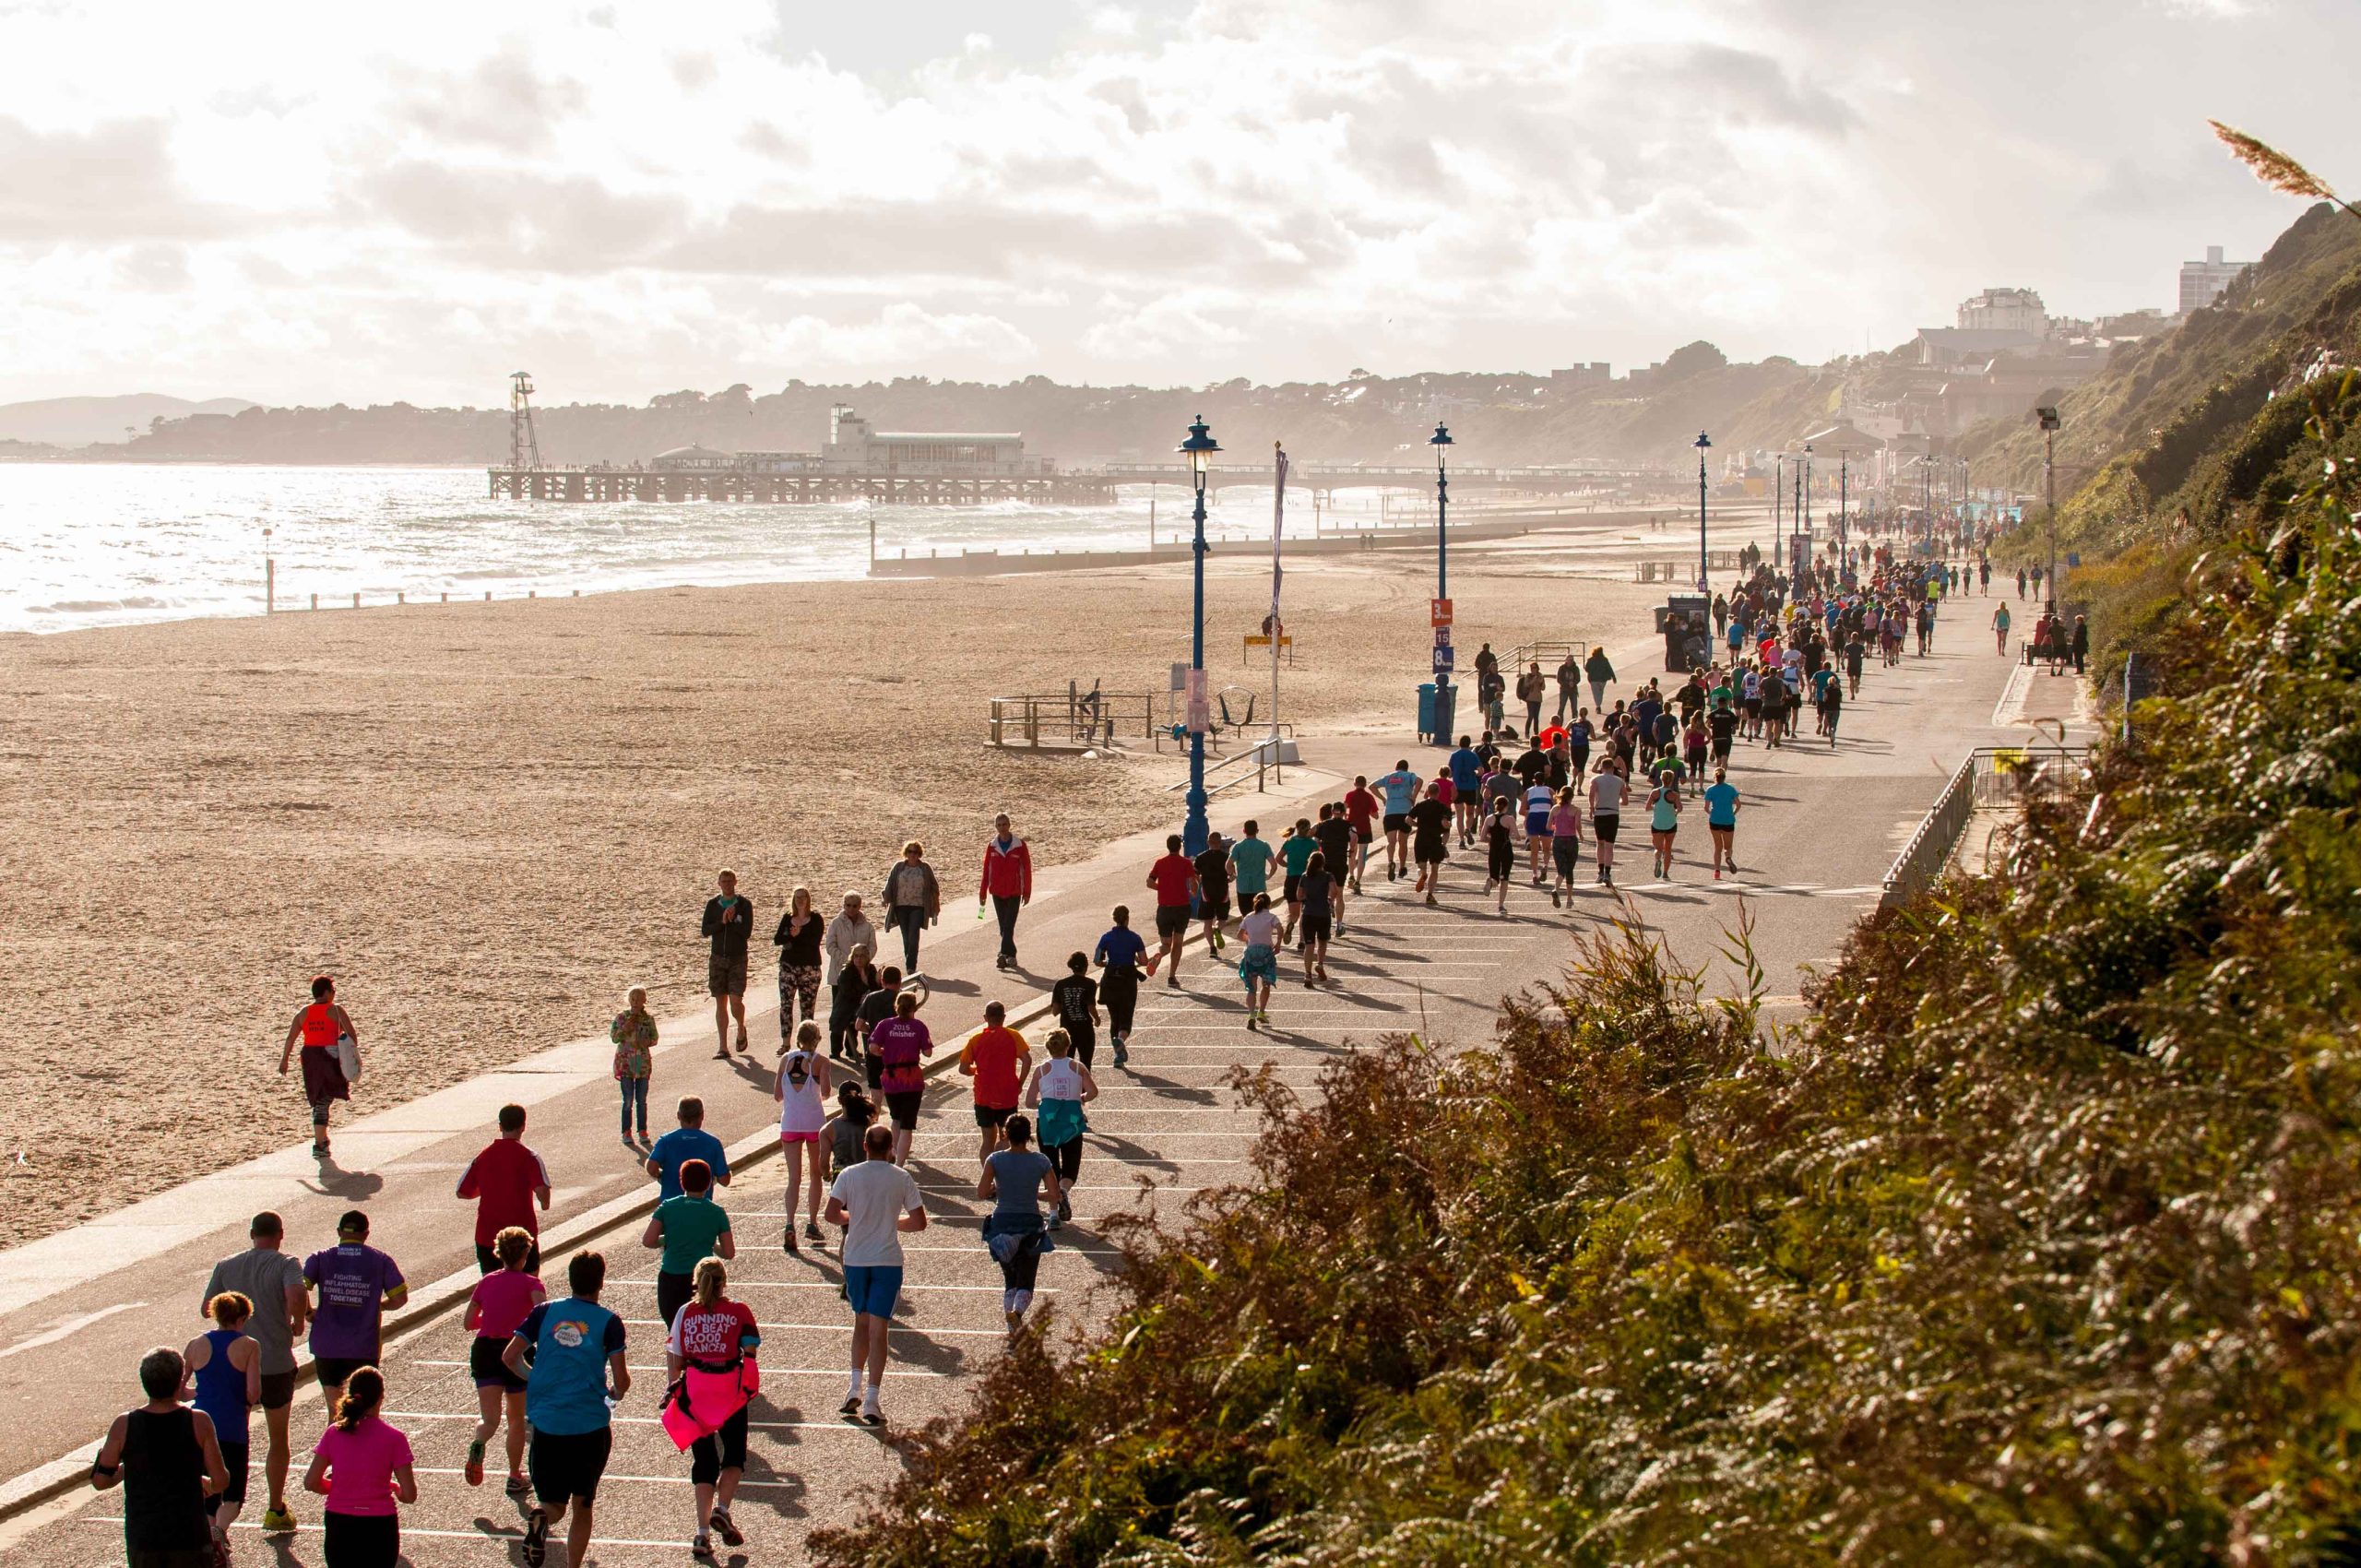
<point x="320" y="203"/>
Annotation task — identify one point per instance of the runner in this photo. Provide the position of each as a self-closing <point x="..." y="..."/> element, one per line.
<point x="1174" y="878"/>
<point x="1539" y="857"/>
<point x="364" y="1469"/>
<point x="499" y="1302"/>
<point x="1605" y="813"/>
<point x="633" y="1030"/>
<point x="1466" y="784"/>
<point x="1856" y="652"/>
<point x="325" y="1028"/>
<point x="167" y="1461"/>
<point x="801" y="1089"/>
<point x="225" y="1366"/>
<point x="272" y="1284"/>
<point x="1500" y="846"/>
<point x="1057" y="1094"/>
<point x="1073" y="1001"/>
<point x="900" y="1043"/>
<point x="710" y="1361"/>
<point x="356" y="1283"/>
<point x="1295" y="851"/>
<point x="1752" y="699"/>
<point x="1664" y="822"/>
<point x="876" y="1203"/>
<point x="1999" y="628"/>
<point x="1008" y="882"/>
<point x="1014" y="1231"/>
<point x="1578" y="741"/>
<point x="1832" y="709"/>
<point x="684" y="1143"/>
<point x="997" y="1060"/>
<point x="848" y="1128"/>
<point x="912" y="900"/>
<point x="578" y="1373"/>
<point x="1335" y="840"/>
<point x="800" y="971"/>
<point x="506" y="1179"/>
<point x="729" y="924"/>
<point x="1431" y="819"/>
<point x="1250" y="868"/>
<point x="1775" y="710"/>
<point x="684" y="1230"/>
<point x="1118" y="957"/>
<point x="1259" y="966"/>
<point x="1822" y="679"/>
<point x="1362" y="809"/>
<point x="1565" y="843"/>
<point x="1720" y="821"/>
<point x="1319" y="922"/>
<point x="1400" y="791"/>
<point x="1213" y="883"/>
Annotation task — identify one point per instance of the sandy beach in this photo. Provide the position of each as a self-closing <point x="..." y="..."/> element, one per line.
<point x="487" y="820"/>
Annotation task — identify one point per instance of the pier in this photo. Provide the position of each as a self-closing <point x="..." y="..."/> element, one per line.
<point x="741" y="486"/>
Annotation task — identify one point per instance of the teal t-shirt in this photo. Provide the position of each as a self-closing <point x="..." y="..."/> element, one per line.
<point x="1721" y="805"/>
<point x="1252" y="859"/>
<point x="1298" y="850"/>
<point x="691" y="1225"/>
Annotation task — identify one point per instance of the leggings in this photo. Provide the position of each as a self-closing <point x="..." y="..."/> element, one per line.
<point x="1119" y="990"/>
<point x="1023" y="1266"/>
<point x="911" y="919"/>
<point x="721" y="1450"/>
<point x="797" y="983"/>
<point x="1085" y="1043"/>
<point x="1065" y="1156"/>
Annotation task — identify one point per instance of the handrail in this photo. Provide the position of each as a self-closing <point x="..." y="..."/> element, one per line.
<point x="1989" y="775"/>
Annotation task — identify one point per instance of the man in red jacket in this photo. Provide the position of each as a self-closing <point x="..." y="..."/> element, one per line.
<point x="1007" y="881"/>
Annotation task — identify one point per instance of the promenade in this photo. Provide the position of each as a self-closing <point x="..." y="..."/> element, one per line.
<point x="1818" y="827"/>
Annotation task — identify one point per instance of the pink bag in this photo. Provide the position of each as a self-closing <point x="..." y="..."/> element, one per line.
<point x="701" y="1401"/>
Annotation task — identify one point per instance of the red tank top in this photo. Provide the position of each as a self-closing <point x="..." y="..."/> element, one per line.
<point x="319" y="1027"/>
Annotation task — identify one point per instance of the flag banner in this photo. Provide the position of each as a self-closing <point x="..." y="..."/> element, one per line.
<point x="1278" y="521"/>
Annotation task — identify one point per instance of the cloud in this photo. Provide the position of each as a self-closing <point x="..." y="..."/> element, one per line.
<point x="114" y="181"/>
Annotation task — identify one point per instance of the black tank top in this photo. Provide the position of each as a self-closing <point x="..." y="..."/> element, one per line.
<point x="163" y="1483"/>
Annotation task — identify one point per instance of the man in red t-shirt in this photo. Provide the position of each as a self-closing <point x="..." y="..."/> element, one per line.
<point x="506" y="1179"/>
<point x="1360" y="810"/>
<point x="996" y="1058"/>
<point x="1175" y="880"/>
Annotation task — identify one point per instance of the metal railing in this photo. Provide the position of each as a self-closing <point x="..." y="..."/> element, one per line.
<point x="1989" y="777"/>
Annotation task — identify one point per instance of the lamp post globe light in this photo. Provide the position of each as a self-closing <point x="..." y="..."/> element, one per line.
<point x="1701" y="443"/>
<point x="1446" y="696"/>
<point x="1198" y="450"/>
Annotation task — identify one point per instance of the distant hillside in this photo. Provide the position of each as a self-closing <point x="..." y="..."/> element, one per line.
<point x="1499" y="418"/>
<point x="80" y="422"/>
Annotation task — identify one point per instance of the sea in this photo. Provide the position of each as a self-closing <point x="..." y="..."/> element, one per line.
<point x="99" y="544"/>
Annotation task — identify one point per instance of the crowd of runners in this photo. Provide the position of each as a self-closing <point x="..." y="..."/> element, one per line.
<point x="849" y="1079"/>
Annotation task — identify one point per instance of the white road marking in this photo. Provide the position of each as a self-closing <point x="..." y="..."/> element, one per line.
<point x="68" y="1328"/>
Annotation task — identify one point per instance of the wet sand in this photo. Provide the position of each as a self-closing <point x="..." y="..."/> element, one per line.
<point x="487" y="820"/>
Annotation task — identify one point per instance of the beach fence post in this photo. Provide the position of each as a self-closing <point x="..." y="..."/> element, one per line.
<point x="269" y="577"/>
<point x="401" y="597"/>
<point x="315" y="601"/>
<point x="356" y="602"/>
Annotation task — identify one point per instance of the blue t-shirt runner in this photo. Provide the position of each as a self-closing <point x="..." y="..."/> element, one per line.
<point x="572" y="1339"/>
<point x="1721" y="805"/>
<point x="678" y="1147"/>
<point x="1252" y="857"/>
<point x="1466" y="771"/>
<point x="1401" y="790"/>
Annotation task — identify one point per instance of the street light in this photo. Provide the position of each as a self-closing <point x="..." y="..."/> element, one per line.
<point x="2048" y="418"/>
<point x="1199" y="449"/>
<point x="1444" y="695"/>
<point x="1701" y="443"/>
<point x="1803" y="512"/>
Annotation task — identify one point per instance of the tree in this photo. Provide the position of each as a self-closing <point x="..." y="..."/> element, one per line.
<point x="1692" y="359"/>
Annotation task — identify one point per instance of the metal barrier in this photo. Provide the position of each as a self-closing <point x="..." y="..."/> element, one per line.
<point x="1072" y="720"/>
<point x="1990" y="777"/>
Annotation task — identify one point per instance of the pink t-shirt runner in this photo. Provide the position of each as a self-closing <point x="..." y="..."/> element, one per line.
<point x="361" y="1465"/>
<point x="504" y="1301"/>
<point x="898" y="1044"/>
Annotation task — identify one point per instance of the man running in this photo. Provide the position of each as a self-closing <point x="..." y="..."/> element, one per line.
<point x="1213" y="888"/>
<point x="876" y="1203"/>
<point x="1362" y="809"/>
<point x="1431" y="819"/>
<point x="728" y="921"/>
<point x="690" y="1141"/>
<point x="273" y="1283"/>
<point x="1400" y="790"/>
<point x="168" y="1459"/>
<point x="574" y="1349"/>
<point x="1174" y="877"/>
<point x="997" y="1062"/>
<point x="356" y="1283"/>
<point x="506" y="1179"/>
<point x="1467" y="778"/>
<point x="1335" y="840"/>
<point x="1605" y="815"/>
<point x="1250" y="873"/>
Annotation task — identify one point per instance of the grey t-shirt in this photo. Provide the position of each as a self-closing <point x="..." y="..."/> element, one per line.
<point x="263" y="1277"/>
<point x="1016" y="1178"/>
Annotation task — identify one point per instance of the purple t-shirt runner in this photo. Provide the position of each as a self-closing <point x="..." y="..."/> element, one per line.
<point x="353" y="1279"/>
<point x="898" y="1044"/>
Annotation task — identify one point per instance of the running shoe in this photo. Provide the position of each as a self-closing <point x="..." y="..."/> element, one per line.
<point x="220" y="1551"/>
<point x="852" y="1407"/>
<point x="701" y="1546"/>
<point x="1250" y="1021"/>
<point x="726" y="1529"/>
<point x="1556" y="898"/>
<point x="810" y="1234"/>
<point x="788" y="1242"/>
<point x="1121" y="1055"/>
<point x="537" y="1538"/>
<point x="1430" y="901"/>
<point x="475" y="1463"/>
<point x="1065" y="1208"/>
<point x="278" y="1521"/>
<point x="871" y="1416"/>
<point x="518" y="1487"/>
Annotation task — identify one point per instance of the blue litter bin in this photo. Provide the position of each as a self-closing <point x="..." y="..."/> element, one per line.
<point x="1426" y="710"/>
<point x="1446" y="703"/>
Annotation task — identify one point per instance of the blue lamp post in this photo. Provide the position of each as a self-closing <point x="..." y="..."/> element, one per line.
<point x="1701" y="443"/>
<point x="1199" y="449"/>
<point x="1444" y="695"/>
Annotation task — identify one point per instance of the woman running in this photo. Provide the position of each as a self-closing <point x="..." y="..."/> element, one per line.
<point x="502" y="1299"/>
<point x="1431" y="821"/>
<point x="1721" y="820"/>
<point x="802" y="1095"/>
<point x="1750" y="699"/>
<point x="1015" y="1230"/>
<point x="1538" y="801"/>
<point x="1500" y="848"/>
<point x="1260" y="935"/>
<point x="1664" y="822"/>
<point x="364" y="1467"/>
<point x="1565" y="843"/>
<point x="900" y="1043"/>
<point x="709" y="1360"/>
<point x="1318" y="914"/>
<point x="1832" y="708"/>
<point x="1059" y="1091"/>
<point x="1119" y="956"/>
<point x="1605" y="813"/>
<point x="798" y="935"/>
<point x="323" y="1026"/>
<point x="225" y="1364"/>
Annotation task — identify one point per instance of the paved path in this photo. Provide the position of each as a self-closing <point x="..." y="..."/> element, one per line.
<point x="1819" y="829"/>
